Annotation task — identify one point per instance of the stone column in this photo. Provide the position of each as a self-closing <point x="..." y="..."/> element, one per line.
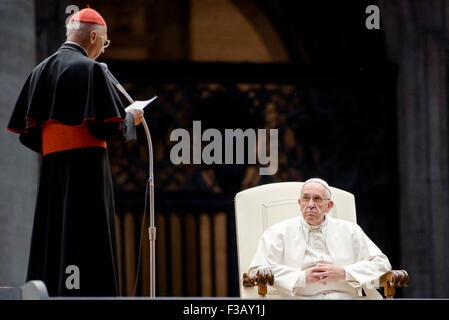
<point x="18" y="165"/>
<point x="420" y="34"/>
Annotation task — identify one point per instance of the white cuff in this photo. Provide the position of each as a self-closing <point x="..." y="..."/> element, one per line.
<point x="301" y="280"/>
<point x="353" y="282"/>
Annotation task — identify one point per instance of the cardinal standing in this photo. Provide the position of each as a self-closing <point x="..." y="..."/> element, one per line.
<point x="67" y="111"/>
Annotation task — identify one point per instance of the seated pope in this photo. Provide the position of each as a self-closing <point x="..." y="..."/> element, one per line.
<point x="315" y="256"/>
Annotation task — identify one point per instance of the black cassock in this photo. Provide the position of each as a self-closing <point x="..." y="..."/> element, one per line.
<point x="74" y="216"/>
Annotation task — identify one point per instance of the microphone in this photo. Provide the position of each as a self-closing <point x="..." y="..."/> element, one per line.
<point x="110" y="75"/>
<point x="150" y="185"/>
<point x="115" y="82"/>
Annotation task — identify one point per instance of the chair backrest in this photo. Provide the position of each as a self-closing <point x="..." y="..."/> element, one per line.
<point x="260" y="207"/>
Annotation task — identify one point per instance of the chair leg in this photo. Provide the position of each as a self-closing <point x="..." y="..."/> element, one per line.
<point x="262" y="290"/>
<point x="388" y="290"/>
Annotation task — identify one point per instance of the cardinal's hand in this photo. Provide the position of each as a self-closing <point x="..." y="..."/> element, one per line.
<point x="136" y="113"/>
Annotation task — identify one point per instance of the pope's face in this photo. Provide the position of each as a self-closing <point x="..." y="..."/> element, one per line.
<point x="314" y="203"/>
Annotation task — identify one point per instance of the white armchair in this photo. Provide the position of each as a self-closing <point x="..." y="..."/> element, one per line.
<point x="260" y="207"/>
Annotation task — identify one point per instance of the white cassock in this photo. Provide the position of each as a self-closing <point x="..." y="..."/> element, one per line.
<point x="290" y="247"/>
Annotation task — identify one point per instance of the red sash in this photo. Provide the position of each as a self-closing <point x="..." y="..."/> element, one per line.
<point x="59" y="137"/>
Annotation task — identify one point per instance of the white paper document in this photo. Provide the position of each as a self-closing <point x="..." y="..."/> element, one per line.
<point x="141" y="104"/>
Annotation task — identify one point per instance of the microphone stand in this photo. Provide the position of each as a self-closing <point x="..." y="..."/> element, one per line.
<point x="152" y="227"/>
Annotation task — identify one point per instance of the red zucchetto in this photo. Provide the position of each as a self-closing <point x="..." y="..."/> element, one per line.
<point x="88" y="15"/>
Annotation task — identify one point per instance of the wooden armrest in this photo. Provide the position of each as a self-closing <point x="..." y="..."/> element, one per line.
<point x="261" y="279"/>
<point x="392" y="279"/>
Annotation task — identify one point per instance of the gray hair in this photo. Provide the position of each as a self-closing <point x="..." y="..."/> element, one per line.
<point x="323" y="183"/>
<point x="82" y="28"/>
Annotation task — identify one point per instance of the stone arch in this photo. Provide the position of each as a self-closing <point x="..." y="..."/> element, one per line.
<point x="233" y="31"/>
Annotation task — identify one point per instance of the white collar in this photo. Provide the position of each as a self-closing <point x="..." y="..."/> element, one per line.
<point x="306" y="227"/>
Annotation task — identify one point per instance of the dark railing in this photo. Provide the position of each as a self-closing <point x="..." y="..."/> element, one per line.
<point x="195" y="245"/>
